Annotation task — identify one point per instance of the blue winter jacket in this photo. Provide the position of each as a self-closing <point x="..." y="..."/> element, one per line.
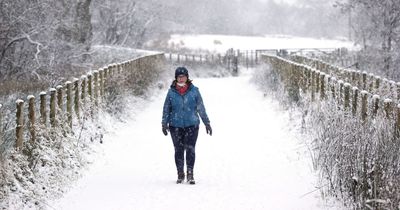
<point x="183" y="110"/>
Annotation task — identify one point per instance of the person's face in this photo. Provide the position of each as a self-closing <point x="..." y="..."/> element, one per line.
<point x="182" y="78"/>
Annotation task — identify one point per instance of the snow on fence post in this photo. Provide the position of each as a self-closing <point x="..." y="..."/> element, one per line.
<point x="31" y="116"/>
<point x="388" y="104"/>
<point x="375" y="104"/>
<point x="201" y="58"/>
<point x="355" y="101"/>
<point x="178" y="58"/>
<point x="69" y="103"/>
<point x="186" y="58"/>
<point x="43" y="111"/>
<point x="76" y="97"/>
<point x="347" y="96"/>
<point x="20" y="124"/>
<point x="53" y="107"/>
<point x="364" y="105"/>
<point x="322" y="92"/>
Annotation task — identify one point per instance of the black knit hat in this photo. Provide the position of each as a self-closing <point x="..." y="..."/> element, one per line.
<point x="181" y="71"/>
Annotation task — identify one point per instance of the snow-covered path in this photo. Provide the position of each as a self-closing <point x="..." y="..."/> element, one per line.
<point x="252" y="161"/>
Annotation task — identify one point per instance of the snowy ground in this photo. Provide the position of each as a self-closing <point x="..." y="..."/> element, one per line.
<point x="220" y="43"/>
<point x="252" y="161"/>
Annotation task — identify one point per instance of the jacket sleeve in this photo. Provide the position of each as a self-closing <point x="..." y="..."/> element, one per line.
<point x="166" y="110"/>
<point x="201" y="109"/>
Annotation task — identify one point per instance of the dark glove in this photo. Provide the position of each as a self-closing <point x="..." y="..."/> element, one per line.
<point x="165" y="129"/>
<point x="209" y="129"/>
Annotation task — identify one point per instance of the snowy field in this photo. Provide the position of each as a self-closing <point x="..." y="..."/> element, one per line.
<point x="252" y="161"/>
<point x="220" y="43"/>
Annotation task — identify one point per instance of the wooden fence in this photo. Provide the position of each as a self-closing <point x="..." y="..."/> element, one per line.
<point x="355" y="91"/>
<point x="61" y="106"/>
<point x="361" y="79"/>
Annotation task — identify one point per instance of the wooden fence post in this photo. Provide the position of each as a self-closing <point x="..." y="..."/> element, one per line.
<point x="364" y="80"/>
<point x="20" y="124"/>
<point x="89" y="86"/>
<point x="96" y="88"/>
<point x="1" y="124"/>
<point x="76" y="97"/>
<point x="53" y="107"/>
<point x="355" y="101"/>
<point x="322" y="85"/>
<point x="347" y="96"/>
<point x="377" y="83"/>
<point x="364" y="105"/>
<point x="317" y="81"/>
<point x="101" y="74"/>
<point x="375" y="105"/>
<point x="313" y="85"/>
<point x="60" y="101"/>
<point x="333" y="87"/>
<point x="43" y="111"/>
<point x="83" y="90"/>
<point x="392" y="89"/>
<point x="398" y="120"/>
<point x="371" y="82"/>
<point x="31" y="116"/>
<point x="388" y="106"/>
<point x="69" y="103"/>
<point x="340" y="92"/>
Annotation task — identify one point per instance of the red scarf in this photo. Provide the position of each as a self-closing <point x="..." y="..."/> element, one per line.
<point x="182" y="90"/>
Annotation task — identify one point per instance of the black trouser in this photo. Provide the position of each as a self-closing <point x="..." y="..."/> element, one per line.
<point x="184" y="139"/>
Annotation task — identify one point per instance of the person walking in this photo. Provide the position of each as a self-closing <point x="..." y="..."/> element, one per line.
<point x="182" y="107"/>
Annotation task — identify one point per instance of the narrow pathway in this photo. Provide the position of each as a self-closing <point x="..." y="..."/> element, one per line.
<point x="252" y="161"/>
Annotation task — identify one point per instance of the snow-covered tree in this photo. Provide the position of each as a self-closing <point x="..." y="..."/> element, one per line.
<point x="376" y="27"/>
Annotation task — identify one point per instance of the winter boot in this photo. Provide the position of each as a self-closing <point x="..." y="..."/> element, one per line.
<point x="181" y="177"/>
<point x="190" y="178"/>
